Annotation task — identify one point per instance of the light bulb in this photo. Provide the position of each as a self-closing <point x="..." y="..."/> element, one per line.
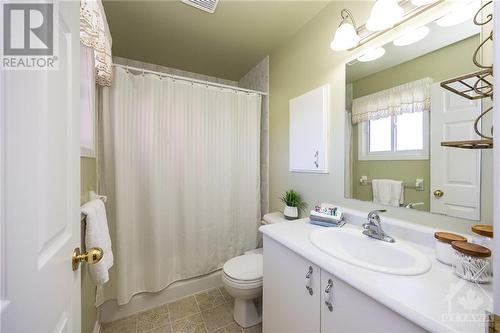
<point x="460" y="13"/>
<point x="384" y="14"/>
<point x="345" y="38"/>
<point x="411" y="36"/>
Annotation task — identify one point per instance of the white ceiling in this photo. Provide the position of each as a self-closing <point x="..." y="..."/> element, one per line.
<point x="437" y="38"/>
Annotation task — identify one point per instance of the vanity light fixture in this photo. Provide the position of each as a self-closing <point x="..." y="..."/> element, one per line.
<point x="372" y="54"/>
<point x="346" y="36"/>
<point x="412" y="36"/>
<point x="385" y="14"/>
<point x="460" y="13"/>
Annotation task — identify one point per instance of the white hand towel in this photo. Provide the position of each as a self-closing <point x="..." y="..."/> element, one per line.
<point x="388" y="192"/>
<point x="97" y="235"/>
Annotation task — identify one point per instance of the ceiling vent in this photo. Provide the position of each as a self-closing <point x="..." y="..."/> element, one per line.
<point x="205" y="5"/>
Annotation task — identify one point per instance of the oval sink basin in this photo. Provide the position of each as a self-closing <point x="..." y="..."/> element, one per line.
<point x="351" y="246"/>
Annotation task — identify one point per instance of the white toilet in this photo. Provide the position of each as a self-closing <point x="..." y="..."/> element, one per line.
<point x="242" y="278"/>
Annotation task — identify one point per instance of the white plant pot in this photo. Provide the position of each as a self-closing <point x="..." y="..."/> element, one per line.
<point x="291" y="213"/>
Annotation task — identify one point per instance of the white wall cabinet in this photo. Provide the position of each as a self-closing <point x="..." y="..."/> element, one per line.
<point x="309" y="131"/>
<point x="334" y="305"/>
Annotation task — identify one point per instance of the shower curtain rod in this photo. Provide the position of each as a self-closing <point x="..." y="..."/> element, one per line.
<point x="183" y="78"/>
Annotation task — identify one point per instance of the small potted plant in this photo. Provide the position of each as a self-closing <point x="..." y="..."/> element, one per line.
<point x="293" y="204"/>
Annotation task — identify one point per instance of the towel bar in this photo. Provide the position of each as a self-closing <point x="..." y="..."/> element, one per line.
<point x="93" y="196"/>
<point x="418" y="185"/>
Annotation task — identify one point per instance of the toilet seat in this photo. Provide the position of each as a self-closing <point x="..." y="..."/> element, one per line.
<point x="244" y="270"/>
<point x="241" y="285"/>
<point x="241" y="281"/>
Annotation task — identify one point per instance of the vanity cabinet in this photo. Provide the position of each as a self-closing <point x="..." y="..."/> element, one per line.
<point x="333" y="306"/>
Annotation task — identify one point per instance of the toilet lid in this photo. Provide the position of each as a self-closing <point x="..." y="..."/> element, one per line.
<point x="248" y="267"/>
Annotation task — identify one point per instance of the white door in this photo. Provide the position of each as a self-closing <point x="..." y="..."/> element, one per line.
<point x="309" y="131"/>
<point x="456" y="172"/>
<point x="40" y="189"/>
<point x="288" y="306"/>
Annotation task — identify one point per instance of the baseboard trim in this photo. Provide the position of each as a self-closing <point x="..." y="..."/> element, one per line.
<point x="97" y="327"/>
<point x="111" y="311"/>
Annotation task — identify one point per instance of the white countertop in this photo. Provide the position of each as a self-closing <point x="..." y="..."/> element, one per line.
<point x="434" y="300"/>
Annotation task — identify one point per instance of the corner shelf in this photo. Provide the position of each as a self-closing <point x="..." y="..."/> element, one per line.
<point x="469" y="144"/>
<point x="472" y="86"/>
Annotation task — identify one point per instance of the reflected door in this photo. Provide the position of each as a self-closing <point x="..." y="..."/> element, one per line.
<point x="455" y="173"/>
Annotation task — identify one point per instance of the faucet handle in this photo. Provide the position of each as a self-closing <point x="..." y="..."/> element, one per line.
<point x="374" y="212"/>
<point x="373" y="217"/>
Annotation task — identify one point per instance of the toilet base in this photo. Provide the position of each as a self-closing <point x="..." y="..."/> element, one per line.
<point x="245" y="313"/>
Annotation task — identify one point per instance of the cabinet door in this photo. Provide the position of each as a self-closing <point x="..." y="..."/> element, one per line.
<point x="309" y="131"/>
<point x="346" y="309"/>
<point x="288" y="306"/>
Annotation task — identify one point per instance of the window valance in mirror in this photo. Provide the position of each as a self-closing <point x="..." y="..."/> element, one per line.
<point x="409" y="97"/>
<point x="94" y="33"/>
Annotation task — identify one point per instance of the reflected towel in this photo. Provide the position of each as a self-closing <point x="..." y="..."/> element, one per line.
<point x="388" y="192"/>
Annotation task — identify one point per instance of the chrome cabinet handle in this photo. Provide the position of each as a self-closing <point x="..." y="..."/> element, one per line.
<point x="308" y="280"/>
<point x="329" y="295"/>
<point x="316" y="159"/>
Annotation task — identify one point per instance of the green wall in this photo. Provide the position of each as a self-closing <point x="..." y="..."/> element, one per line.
<point x="299" y="65"/>
<point x="88" y="180"/>
<point x="439" y="65"/>
<point x="406" y="171"/>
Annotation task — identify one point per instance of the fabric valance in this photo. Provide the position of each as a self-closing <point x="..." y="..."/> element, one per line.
<point x="94" y="33"/>
<point x="409" y="97"/>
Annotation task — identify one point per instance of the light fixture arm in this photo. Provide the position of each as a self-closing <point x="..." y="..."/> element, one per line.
<point x="345" y="14"/>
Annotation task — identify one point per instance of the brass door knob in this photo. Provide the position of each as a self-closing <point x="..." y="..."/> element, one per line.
<point x="438" y="193"/>
<point x="92" y="256"/>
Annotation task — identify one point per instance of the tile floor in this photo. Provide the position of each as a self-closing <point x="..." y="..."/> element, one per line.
<point x="209" y="311"/>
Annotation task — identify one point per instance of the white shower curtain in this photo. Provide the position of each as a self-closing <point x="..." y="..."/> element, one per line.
<point x="180" y="166"/>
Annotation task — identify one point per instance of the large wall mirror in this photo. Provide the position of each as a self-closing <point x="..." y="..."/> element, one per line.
<point x="398" y="115"/>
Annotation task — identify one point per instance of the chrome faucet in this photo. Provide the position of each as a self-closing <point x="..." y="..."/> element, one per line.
<point x="374" y="229"/>
<point x="412" y="205"/>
